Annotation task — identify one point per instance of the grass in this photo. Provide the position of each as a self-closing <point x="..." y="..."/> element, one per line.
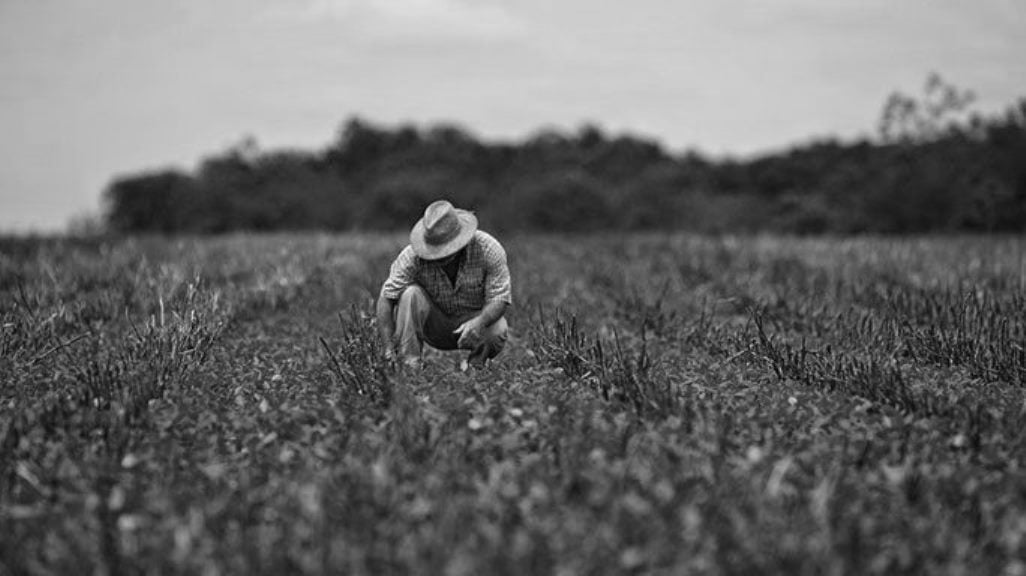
<point x="666" y="405"/>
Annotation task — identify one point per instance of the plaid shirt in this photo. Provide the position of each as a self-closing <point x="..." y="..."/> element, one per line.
<point x="483" y="277"/>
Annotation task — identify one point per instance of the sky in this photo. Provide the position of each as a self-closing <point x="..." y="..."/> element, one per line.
<point x="94" y="89"/>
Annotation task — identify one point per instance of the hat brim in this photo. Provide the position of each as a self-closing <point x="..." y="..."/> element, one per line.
<point x="468" y="226"/>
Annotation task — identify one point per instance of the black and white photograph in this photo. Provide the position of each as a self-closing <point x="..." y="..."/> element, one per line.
<point x="521" y="287"/>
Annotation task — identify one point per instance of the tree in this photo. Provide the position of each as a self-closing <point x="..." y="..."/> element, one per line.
<point x="571" y="201"/>
<point x="937" y="112"/>
<point x="148" y="202"/>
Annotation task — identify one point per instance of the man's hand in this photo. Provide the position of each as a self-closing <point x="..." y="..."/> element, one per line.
<point x="469" y="332"/>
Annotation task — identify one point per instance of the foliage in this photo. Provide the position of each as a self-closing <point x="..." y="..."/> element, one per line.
<point x="666" y="404"/>
<point x="934" y="167"/>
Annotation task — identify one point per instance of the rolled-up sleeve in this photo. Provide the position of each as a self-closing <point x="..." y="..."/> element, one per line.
<point x="401" y="275"/>
<point x="497" y="281"/>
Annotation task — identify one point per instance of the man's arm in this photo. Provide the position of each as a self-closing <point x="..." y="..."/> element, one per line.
<point x="498" y="293"/>
<point x="400" y="276"/>
<point x="497" y="278"/>
<point x="386" y="324"/>
<point x="491" y="313"/>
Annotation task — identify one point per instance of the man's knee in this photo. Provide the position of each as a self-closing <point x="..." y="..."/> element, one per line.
<point x="498" y="333"/>
<point x="414" y="298"/>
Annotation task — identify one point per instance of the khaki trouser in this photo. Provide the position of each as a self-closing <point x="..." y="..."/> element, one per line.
<point x="418" y="320"/>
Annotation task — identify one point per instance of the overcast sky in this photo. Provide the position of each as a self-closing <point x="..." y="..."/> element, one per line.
<point x="94" y="88"/>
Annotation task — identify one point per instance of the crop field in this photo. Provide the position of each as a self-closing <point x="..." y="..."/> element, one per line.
<point x="666" y="405"/>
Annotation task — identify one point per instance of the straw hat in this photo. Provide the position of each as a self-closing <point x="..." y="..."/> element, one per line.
<point x="443" y="231"/>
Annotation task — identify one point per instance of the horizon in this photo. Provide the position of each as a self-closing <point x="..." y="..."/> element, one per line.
<point x="96" y="90"/>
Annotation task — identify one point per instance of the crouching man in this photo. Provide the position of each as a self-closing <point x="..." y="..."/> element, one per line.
<point x="449" y="288"/>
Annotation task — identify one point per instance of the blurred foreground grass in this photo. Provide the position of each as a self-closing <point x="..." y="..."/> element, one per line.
<point x="667" y="404"/>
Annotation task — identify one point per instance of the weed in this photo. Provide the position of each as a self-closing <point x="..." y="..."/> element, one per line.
<point x="359" y="363"/>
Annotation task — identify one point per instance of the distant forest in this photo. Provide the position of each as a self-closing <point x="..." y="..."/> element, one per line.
<point x="933" y="166"/>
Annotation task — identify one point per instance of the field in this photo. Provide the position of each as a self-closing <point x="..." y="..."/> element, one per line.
<point x="666" y="405"/>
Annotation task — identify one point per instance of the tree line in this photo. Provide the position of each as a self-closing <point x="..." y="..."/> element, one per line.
<point x="932" y="167"/>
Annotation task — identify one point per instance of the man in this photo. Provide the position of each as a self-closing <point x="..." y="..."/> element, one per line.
<point x="449" y="288"/>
